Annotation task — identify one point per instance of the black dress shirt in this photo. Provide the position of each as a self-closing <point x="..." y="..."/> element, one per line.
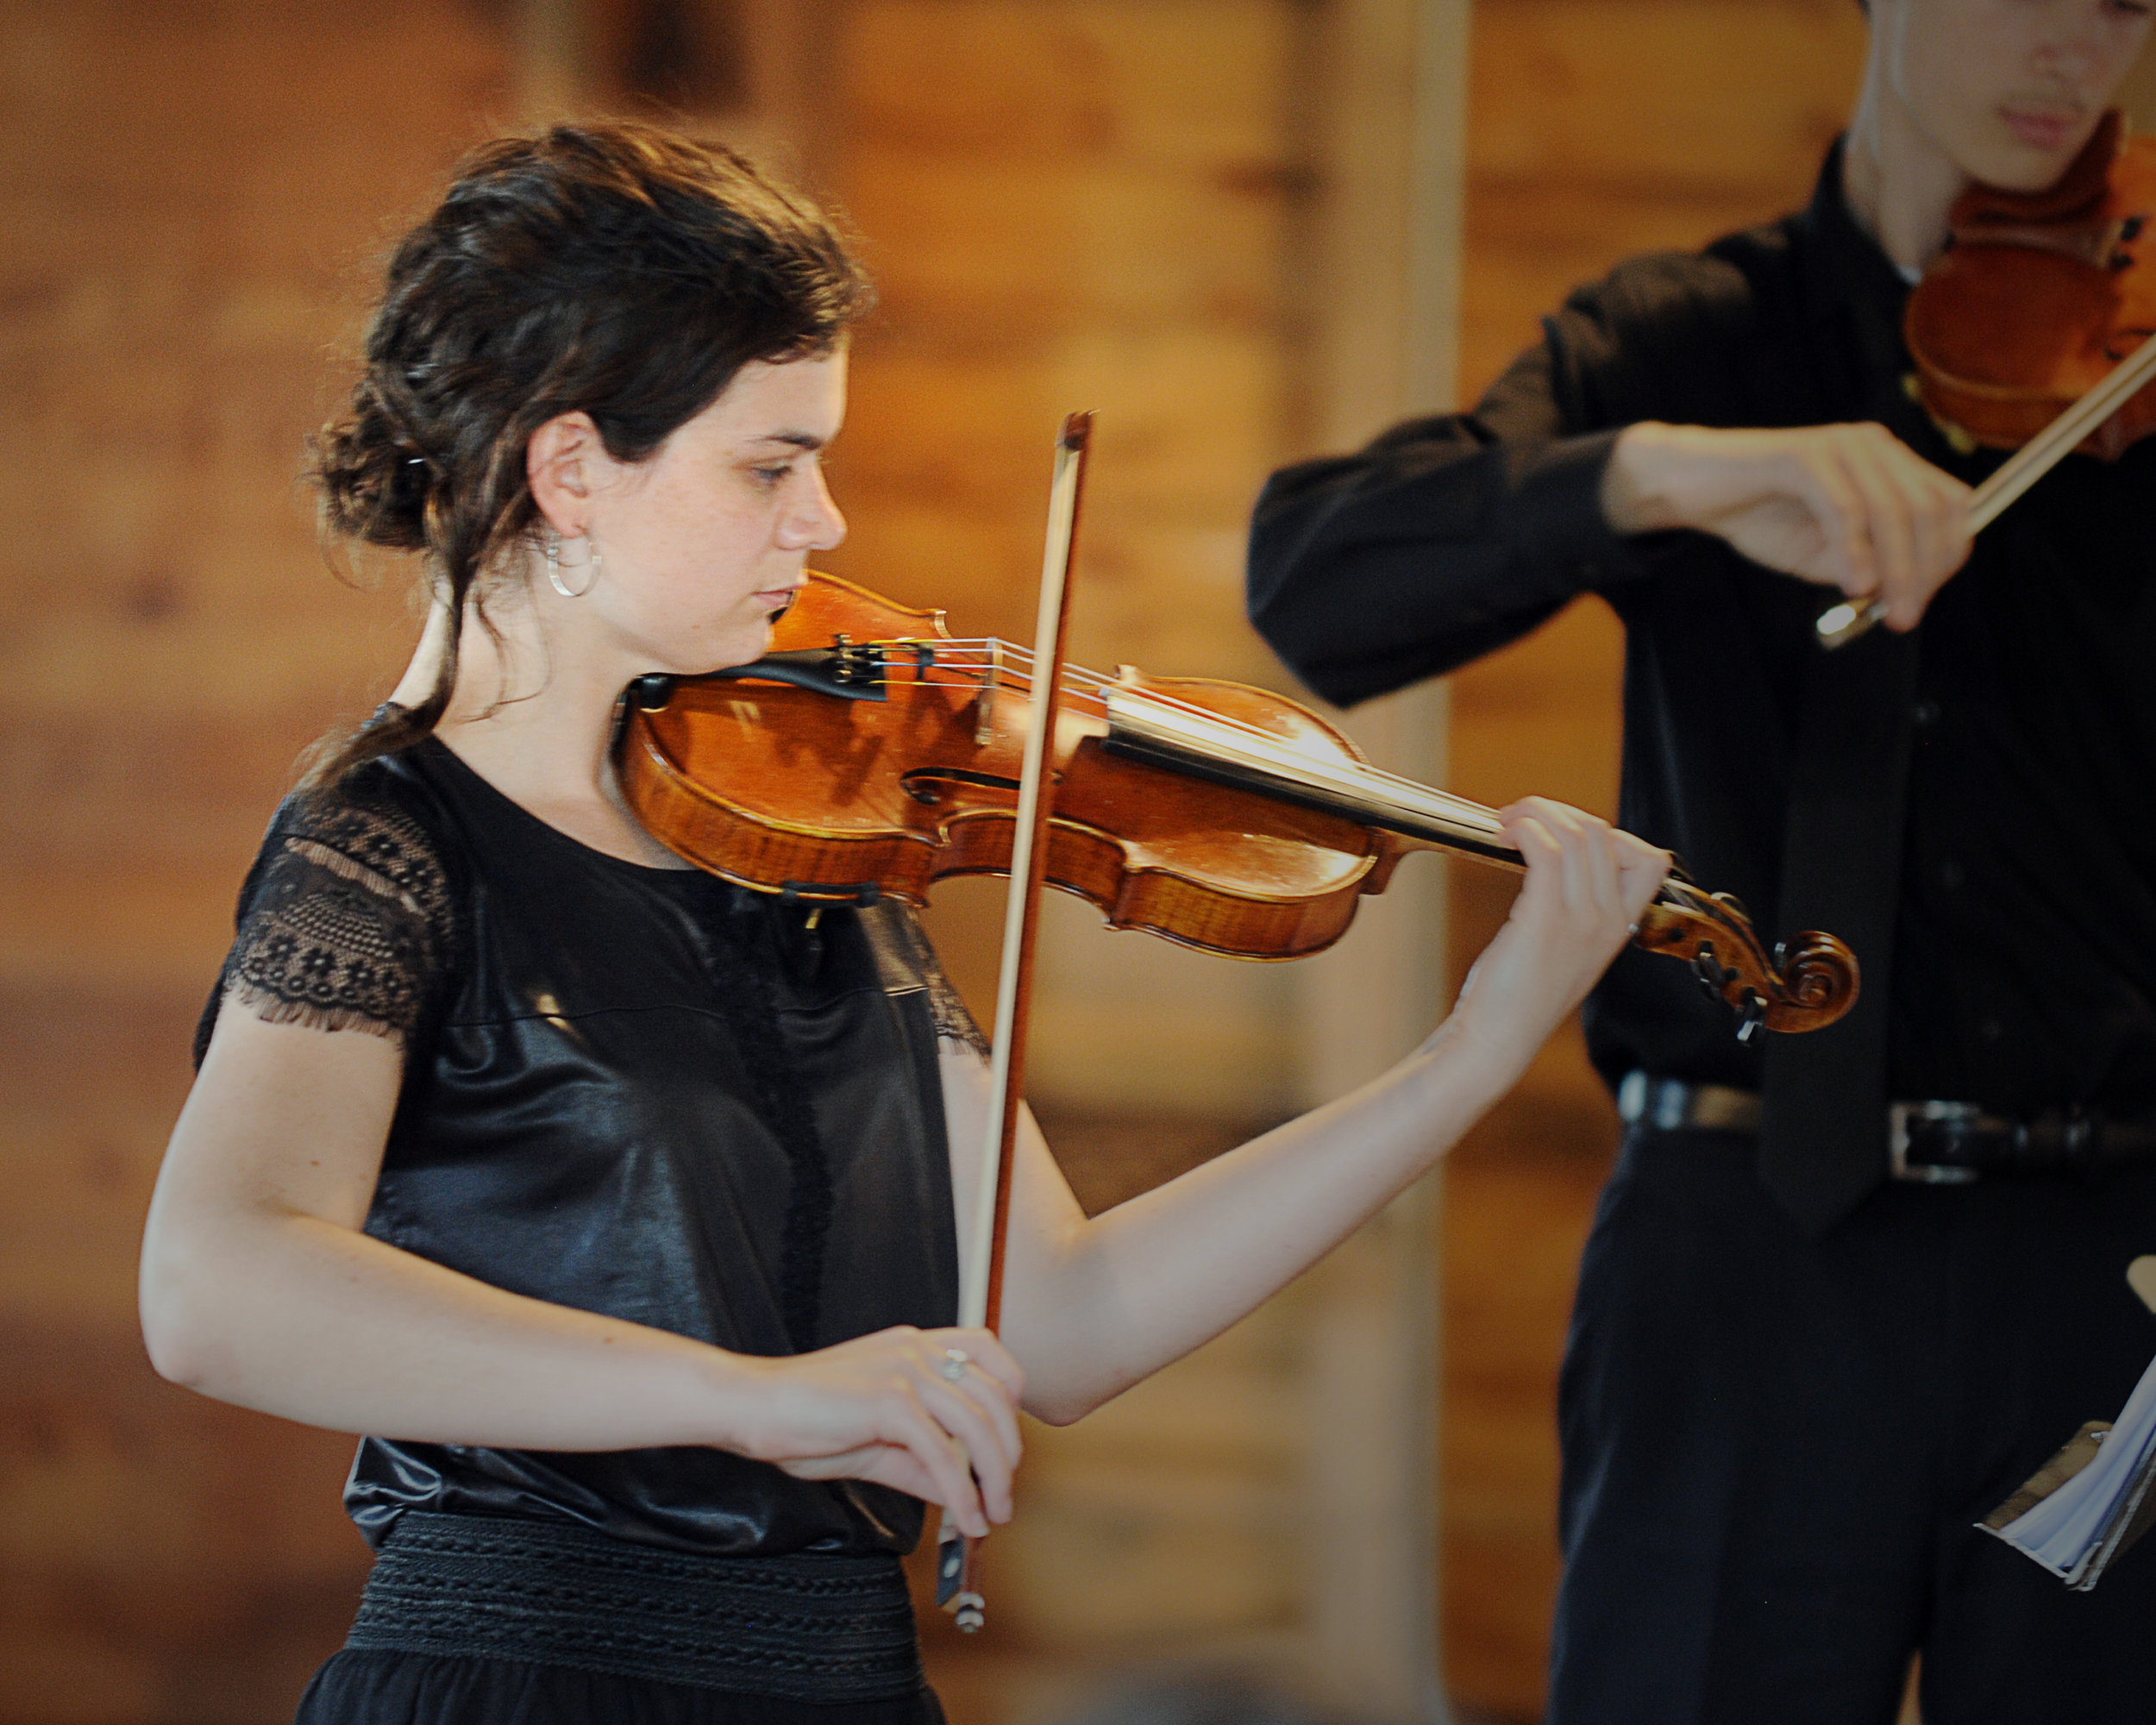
<point x="2023" y="972"/>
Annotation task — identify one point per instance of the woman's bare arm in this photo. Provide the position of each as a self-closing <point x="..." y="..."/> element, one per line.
<point x="1091" y="1307"/>
<point x="259" y="1287"/>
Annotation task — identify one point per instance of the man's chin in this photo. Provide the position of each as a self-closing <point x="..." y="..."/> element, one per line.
<point x="2012" y="163"/>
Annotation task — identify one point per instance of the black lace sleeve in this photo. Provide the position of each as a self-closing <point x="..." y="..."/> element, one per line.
<point x="954" y="1020"/>
<point x="908" y="963"/>
<point x="345" y="922"/>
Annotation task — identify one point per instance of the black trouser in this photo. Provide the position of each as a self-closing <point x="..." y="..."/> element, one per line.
<point x="1774" y="1449"/>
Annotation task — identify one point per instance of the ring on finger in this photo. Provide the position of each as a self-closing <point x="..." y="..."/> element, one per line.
<point x="955" y="1362"/>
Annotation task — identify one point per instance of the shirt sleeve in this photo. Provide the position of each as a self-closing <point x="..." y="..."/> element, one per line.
<point x="344" y="923"/>
<point x="907" y="962"/>
<point x="1448" y="537"/>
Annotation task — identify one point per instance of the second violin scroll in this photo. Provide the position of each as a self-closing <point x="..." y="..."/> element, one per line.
<point x="872" y="754"/>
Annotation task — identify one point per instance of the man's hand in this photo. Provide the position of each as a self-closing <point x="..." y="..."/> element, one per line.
<point x="1846" y="506"/>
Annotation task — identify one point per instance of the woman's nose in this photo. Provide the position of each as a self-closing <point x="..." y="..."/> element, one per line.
<point x="814" y="523"/>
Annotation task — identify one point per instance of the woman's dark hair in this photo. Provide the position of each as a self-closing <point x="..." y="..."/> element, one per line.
<point x="617" y="269"/>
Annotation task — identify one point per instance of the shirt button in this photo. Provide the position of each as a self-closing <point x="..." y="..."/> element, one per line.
<point x="1926" y="714"/>
<point x="1951" y="875"/>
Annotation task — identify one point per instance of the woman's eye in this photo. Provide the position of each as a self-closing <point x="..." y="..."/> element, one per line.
<point x="772" y="476"/>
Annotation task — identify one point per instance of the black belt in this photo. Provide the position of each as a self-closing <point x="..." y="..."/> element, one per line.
<point x="802" y="1628"/>
<point x="1936" y="1143"/>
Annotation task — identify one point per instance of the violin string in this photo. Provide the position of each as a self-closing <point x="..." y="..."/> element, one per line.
<point x="1005" y="656"/>
<point x="993" y="655"/>
<point x="1211" y="720"/>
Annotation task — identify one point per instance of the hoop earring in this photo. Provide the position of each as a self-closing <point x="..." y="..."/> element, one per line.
<point x="592" y="562"/>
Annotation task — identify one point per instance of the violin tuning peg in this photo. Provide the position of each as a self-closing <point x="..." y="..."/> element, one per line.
<point x="1707" y="968"/>
<point x="1751" y="1016"/>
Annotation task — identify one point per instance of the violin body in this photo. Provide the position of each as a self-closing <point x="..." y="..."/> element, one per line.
<point x="2037" y="297"/>
<point x="870" y="754"/>
<point x="820" y="795"/>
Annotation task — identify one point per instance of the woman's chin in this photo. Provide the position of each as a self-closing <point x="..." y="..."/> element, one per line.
<point x="736" y="648"/>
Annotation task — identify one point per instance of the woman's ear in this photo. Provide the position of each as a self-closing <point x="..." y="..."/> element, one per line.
<point x="562" y="460"/>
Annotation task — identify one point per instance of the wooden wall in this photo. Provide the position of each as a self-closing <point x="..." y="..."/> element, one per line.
<point x="1090" y="203"/>
<point x="1069" y="202"/>
<point x="195" y="197"/>
<point x="1597" y="128"/>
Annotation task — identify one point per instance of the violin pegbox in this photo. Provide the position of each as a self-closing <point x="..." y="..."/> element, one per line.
<point x="1809" y="981"/>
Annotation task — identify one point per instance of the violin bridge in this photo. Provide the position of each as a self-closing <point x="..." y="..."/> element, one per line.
<point x="984" y="712"/>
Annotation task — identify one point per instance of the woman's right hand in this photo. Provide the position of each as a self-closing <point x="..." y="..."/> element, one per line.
<point x="881" y="1407"/>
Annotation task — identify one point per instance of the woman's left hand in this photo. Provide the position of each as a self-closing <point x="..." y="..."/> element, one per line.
<point x="1586" y="885"/>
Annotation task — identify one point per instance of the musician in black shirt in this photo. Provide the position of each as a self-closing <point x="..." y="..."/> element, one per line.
<point x="1810" y="1350"/>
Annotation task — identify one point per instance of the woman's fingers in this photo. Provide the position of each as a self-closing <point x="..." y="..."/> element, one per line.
<point x="984" y="1351"/>
<point x="983" y="1448"/>
<point x="1586" y="885"/>
<point x="933" y="1412"/>
<point x="1641" y="869"/>
<point x="960" y="1391"/>
<point x="945" y="1460"/>
<point x="991" y="1380"/>
<point x="1575" y="852"/>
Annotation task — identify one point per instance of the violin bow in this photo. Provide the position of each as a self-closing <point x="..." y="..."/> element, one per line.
<point x="981" y="1304"/>
<point x="1840" y="624"/>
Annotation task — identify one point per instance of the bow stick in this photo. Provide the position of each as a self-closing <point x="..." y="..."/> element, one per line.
<point x="980" y="1305"/>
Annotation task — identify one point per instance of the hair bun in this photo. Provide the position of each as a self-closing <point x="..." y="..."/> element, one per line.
<point x="374" y="479"/>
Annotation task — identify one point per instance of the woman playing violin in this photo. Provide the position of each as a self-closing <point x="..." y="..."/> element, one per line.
<point x="1844" y="1296"/>
<point x="615" y="1203"/>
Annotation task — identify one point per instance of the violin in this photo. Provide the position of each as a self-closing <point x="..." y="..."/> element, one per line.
<point x="2037" y="297"/>
<point x="870" y="754"/>
<point x="2029" y="330"/>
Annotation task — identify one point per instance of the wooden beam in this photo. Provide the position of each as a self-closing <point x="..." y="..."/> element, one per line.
<point x="1389" y="142"/>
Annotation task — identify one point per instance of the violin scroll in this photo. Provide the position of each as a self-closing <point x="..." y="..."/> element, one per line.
<point x="1810" y="979"/>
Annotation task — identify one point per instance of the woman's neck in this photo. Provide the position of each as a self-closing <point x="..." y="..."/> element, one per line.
<point x="534" y="717"/>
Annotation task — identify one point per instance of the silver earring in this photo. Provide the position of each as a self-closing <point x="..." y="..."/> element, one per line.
<point x="553" y="566"/>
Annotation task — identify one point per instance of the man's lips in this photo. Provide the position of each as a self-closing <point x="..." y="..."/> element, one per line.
<point x="2041" y="128"/>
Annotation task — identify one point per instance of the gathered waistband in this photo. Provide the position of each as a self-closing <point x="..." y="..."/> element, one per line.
<point x="800" y="1628"/>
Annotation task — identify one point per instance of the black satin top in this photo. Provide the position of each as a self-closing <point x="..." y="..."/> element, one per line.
<point x="630" y="1090"/>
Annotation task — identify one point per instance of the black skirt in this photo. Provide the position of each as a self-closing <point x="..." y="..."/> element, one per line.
<point x="375" y="1686"/>
<point x="469" y="1621"/>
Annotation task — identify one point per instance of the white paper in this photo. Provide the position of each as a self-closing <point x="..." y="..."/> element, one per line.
<point x="2063" y="1532"/>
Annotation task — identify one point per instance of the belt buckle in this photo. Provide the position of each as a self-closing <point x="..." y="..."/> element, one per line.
<point x="1899" y="1115"/>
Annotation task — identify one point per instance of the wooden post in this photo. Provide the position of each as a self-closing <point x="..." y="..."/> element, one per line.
<point x="1388" y="137"/>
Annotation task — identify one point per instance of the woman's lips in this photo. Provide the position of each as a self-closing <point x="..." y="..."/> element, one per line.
<point x="2041" y="128"/>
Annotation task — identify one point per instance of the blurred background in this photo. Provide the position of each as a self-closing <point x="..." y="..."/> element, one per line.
<point x="1245" y="231"/>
